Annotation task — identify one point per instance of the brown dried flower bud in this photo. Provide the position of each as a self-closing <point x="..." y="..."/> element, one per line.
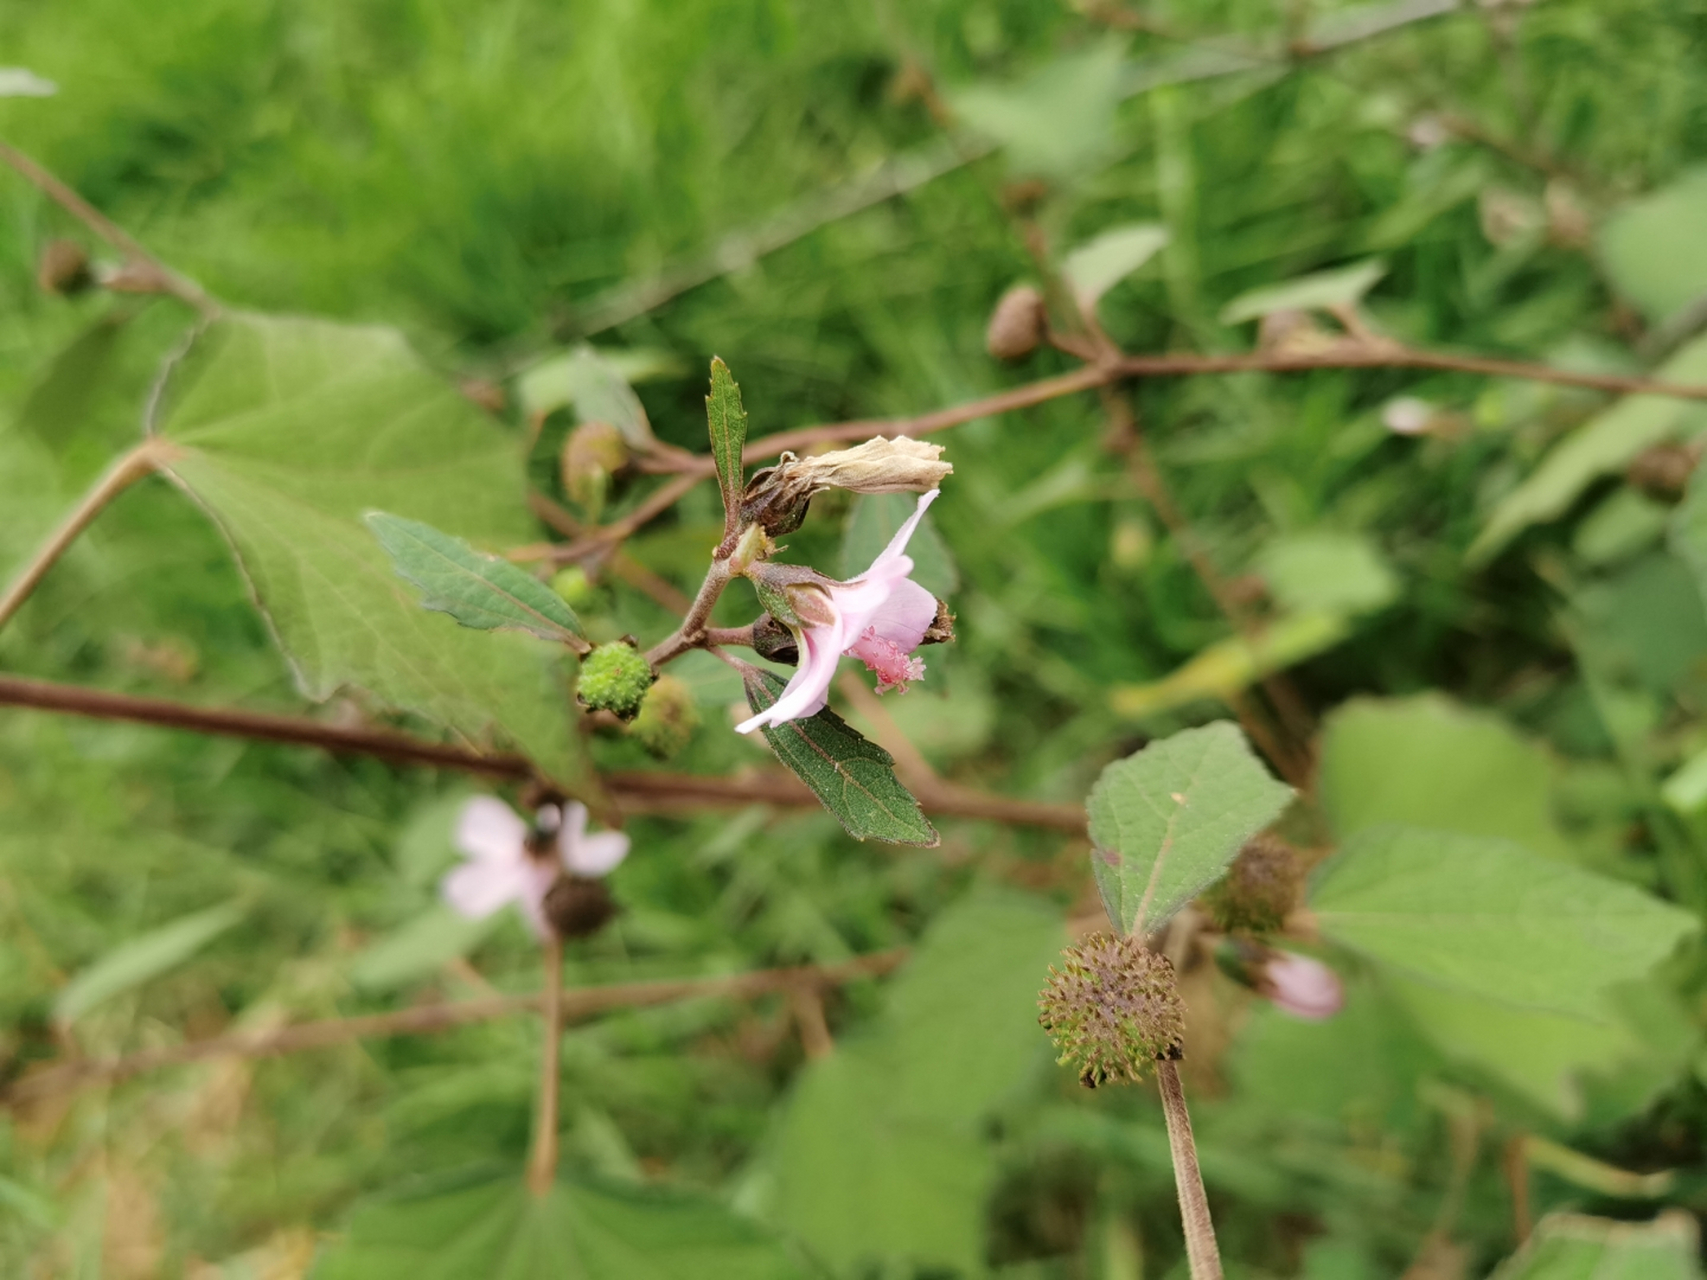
<point x="1663" y="471"/>
<point x="592" y="454"/>
<point x="941" y="630"/>
<point x="774" y="642"/>
<point x="64" y="268"/>
<point x="1112" y="1009"/>
<point x="1260" y="890"/>
<point x="777" y="497"/>
<point x="578" y="906"/>
<point x="1016" y="325"/>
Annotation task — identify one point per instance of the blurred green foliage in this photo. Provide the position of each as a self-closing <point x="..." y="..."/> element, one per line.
<point x="1496" y="621"/>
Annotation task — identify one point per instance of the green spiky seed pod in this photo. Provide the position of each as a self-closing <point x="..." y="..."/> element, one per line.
<point x="668" y="716"/>
<point x="1112" y="1009"/>
<point x="615" y="678"/>
<point x="1260" y="890"/>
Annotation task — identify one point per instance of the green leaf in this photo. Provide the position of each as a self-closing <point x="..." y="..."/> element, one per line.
<point x="1323" y="570"/>
<point x="1099" y="264"/>
<point x="131" y="964"/>
<point x="478" y="590"/>
<point x="1234" y="664"/>
<point x="1602" y="445"/>
<point x="1486" y="917"/>
<point x="853" y="778"/>
<point x="1343" y="286"/>
<point x="419" y="948"/>
<point x="1059" y="121"/>
<point x="1570" y="1246"/>
<point x="498" y="1230"/>
<point x="596" y="383"/>
<point x="728" y="424"/>
<point x="874" y="518"/>
<point x="289" y="431"/>
<point x="1652" y="247"/>
<point x="881" y="1153"/>
<point x="1428" y="762"/>
<point x="1167" y="821"/>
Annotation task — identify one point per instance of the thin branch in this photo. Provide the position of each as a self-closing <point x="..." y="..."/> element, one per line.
<point x="634" y="792"/>
<point x="622" y="565"/>
<point x="1200" y="1248"/>
<point x="126" y="471"/>
<point x="691" y="634"/>
<point x="148" y="274"/>
<point x="610" y="535"/>
<point x="578" y="1005"/>
<point x="542" y="1157"/>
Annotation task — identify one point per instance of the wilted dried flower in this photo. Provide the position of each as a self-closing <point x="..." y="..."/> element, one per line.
<point x="1016" y="325"/>
<point x="776" y="497"/>
<point x="1112" y="1008"/>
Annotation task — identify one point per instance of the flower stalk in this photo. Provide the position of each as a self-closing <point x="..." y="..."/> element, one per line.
<point x="1201" y="1251"/>
<point x="542" y="1157"/>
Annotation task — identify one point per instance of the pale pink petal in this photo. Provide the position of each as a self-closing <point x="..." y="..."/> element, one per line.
<point x="476" y="889"/>
<point x="574" y="824"/>
<point x="489" y="830"/>
<point x="1303" y="987"/>
<point x="809" y="689"/>
<point x="905" y="616"/>
<point x="898" y="544"/>
<point x="597" y="854"/>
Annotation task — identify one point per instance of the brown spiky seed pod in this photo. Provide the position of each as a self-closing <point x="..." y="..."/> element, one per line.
<point x="1112" y="1009"/>
<point x="1016" y="325"/>
<point x="1260" y="890"/>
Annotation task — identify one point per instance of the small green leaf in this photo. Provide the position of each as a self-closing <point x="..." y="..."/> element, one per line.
<point x="1340" y="572"/>
<point x="1167" y="821"/>
<point x="1570" y="1246"/>
<point x="1343" y="286"/>
<point x="478" y="590"/>
<point x="142" y="959"/>
<point x="499" y="1230"/>
<point x="1233" y="664"/>
<point x="1099" y="264"/>
<point x="596" y="383"/>
<point x="853" y="778"/>
<point x="728" y="424"/>
<point x="1057" y="122"/>
<point x="420" y="947"/>
<point x="1487" y="917"/>
<point x="1604" y="444"/>
<point x="1652" y="247"/>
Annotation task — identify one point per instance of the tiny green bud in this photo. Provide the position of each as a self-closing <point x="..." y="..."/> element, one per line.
<point x="668" y="716"/>
<point x="614" y="677"/>
<point x="1112" y="1009"/>
<point x="575" y="587"/>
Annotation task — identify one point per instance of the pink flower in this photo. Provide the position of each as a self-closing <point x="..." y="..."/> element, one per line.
<point x="501" y="868"/>
<point x="1303" y="987"/>
<point x="879" y="617"/>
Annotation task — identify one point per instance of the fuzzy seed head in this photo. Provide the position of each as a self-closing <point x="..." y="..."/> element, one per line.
<point x="1260" y="890"/>
<point x="1112" y="1009"/>
<point x="614" y="677"/>
<point x="668" y="716"/>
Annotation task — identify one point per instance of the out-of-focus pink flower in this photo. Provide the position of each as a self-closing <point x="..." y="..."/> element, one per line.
<point x="1303" y="987"/>
<point x="502" y="869"/>
<point x="879" y="617"/>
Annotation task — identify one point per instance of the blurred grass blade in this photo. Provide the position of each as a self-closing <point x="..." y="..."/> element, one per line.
<point x="1342" y="287"/>
<point x="853" y="778"/>
<point x="141" y="960"/>
<point x="478" y="590"/>
<point x="1098" y="265"/>
<point x="1167" y="821"/>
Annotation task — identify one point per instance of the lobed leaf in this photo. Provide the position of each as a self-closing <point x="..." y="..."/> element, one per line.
<point x="1167" y="821"/>
<point x="478" y="590"/>
<point x="728" y="425"/>
<point x="852" y="777"/>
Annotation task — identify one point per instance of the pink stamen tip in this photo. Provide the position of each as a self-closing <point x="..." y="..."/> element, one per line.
<point x="893" y="665"/>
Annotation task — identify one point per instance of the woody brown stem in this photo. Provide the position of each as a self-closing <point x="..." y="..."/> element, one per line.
<point x="1201" y="1250"/>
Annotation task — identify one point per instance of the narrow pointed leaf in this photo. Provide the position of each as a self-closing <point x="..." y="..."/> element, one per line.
<point x="728" y="424"/>
<point x="852" y="777"/>
<point x="144" y="958"/>
<point x="1098" y="265"/>
<point x="1167" y="821"/>
<point x="476" y="589"/>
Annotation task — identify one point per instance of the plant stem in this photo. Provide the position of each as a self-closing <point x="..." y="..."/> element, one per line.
<point x="1200" y="1247"/>
<point x="542" y="1159"/>
<point x="123" y="473"/>
<point x="692" y="632"/>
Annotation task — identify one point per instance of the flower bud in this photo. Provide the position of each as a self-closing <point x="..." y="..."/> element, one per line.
<point x="1301" y="986"/>
<point x="1260" y="890"/>
<point x="578" y="906"/>
<point x="1016" y="325"/>
<point x="1112" y="1009"/>
<point x="668" y="716"/>
<point x="777" y="497"/>
<point x="592" y="454"/>
<point x="775" y="642"/>
<point x="615" y="678"/>
<point x="575" y="587"/>
<point x="64" y="268"/>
